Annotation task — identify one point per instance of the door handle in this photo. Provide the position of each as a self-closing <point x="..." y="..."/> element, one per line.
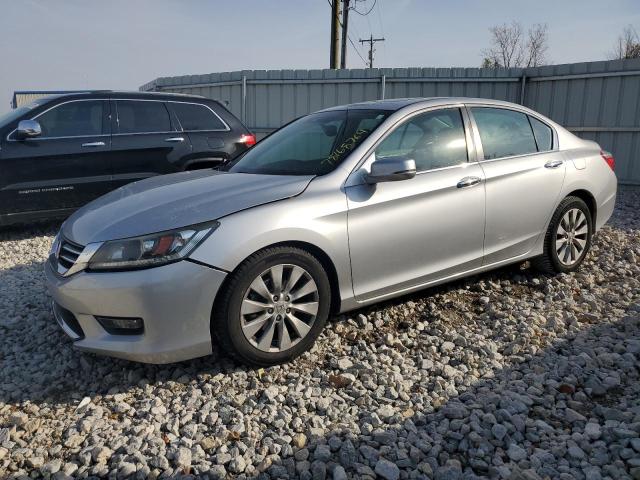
<point x="553" y="164"/>
<point x="93" y="144"/>
<point x="174" y="139"/>
<point x="468" y="182"/>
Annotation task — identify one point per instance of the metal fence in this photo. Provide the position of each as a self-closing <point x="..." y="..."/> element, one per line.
<point x="597" y="100"/>
<point x="23" y="97"/>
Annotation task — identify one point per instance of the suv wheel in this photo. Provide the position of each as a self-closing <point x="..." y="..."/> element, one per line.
<point x="568" y="237"/>
<point x="273" y="307"/>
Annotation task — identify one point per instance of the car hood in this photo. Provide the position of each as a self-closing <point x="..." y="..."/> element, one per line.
<point x="173" y="201"/>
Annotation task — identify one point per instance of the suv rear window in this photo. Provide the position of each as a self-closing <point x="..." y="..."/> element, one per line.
<point x="135" y="116"/>
<point x="194" y="116"/>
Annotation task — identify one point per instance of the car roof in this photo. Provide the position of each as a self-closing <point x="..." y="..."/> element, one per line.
<point x="126" y="94"/>
<point x="398" y="103"/>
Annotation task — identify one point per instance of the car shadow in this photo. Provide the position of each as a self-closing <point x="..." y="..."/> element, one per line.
<point x="455" y="436"/>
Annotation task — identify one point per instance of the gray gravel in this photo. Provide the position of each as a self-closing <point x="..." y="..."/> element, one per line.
<point x="510" y="375"/>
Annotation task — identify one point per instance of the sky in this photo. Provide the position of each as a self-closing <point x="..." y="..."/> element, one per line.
<point x="122" y="44"/>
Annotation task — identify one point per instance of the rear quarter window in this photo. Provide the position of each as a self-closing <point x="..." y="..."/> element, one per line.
<point x="542" y="133"/>
<point x="193" y="117"/>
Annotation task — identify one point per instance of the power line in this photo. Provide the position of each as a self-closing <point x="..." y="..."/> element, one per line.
<point x="357" y="51"/>
<point x="368" y="12"/>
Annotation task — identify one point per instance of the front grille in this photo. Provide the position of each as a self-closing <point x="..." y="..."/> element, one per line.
<point x="68" y="253"/>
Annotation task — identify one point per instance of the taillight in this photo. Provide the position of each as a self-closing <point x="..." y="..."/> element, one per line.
<point x="248" y="139"/>
<point x="607" y="157"/>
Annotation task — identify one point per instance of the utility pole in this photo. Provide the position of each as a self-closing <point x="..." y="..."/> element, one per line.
<point x="334" y="52"/>
<point x="371" y="41"/>
<point x="345" y="34"/>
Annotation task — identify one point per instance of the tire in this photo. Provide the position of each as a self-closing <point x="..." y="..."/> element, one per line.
<point x="558" y="257"/>
<point x="234" y="320"/>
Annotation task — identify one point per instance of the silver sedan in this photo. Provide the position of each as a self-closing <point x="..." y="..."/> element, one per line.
<point x="337" y="210"/>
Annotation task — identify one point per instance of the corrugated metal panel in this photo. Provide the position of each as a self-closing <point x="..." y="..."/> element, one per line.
<point x="596" y="100"/>
<point x="21" y="99"/>
<point x="24" y="97"/>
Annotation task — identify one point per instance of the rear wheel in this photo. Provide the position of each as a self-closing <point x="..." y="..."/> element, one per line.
<point x="568" y="237"/>
<point x="273" y="307"/>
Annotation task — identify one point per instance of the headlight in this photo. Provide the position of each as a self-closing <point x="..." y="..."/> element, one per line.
<point x="150" y="250"/>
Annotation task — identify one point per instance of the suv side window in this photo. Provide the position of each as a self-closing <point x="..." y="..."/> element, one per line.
<point x="504" y="133"/>
<point x="434" y="140"/>
<point x="195" y="117"/>
<point x="135" y="116"/>
<point x="543" y="134"/>
<point x="72" y="119"/>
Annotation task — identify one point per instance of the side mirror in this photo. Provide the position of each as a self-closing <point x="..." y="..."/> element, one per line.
<point x="28" y="129"/>
<point x="391" y="169"/>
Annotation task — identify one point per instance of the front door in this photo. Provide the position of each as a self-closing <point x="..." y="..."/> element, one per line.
<point x="524" y="177"/>
<point x="146" y="142"/>
<point x="413" y="232"/>
<point x="63" y="168"/>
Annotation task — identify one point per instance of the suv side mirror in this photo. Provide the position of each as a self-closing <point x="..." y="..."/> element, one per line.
<point x="391" y="169"/>
<point x="28" y="129"/>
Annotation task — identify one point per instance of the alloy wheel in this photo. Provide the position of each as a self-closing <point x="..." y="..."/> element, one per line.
<point x="571" y="236"/>
<point x="279" y="308"/>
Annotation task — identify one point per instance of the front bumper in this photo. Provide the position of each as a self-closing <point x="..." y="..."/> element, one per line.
<point x="174" y="301"/>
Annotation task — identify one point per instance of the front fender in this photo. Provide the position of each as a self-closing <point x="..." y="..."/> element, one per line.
<point x="316" y="219"/>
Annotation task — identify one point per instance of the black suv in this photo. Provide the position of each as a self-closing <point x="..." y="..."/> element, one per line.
<point x="62" y="151"/>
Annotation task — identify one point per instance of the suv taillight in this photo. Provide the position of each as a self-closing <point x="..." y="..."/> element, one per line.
<point x="248" y="139"/>
<point x="607" y="157"/>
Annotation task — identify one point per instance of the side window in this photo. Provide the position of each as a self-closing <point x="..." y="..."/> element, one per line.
<point x="434" y="140"/>
<point x="73" y="119"/>
<point x="142" y="116"/>
<point x="504" y="133"/>
<point x="543" y="134"/>
<point x="197" y="117"/>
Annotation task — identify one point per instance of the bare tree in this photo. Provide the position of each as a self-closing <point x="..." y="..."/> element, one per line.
<point x="537" y="45"/>
<point x="627" y="45"/>
<point x="510" y="47"/>
<point x="506" y="48"/>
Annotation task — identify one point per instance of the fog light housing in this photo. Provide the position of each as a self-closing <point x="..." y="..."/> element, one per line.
<point x="121" y="325"/>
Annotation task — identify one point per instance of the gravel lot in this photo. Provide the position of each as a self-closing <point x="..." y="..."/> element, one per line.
<point x="510" y="375"/>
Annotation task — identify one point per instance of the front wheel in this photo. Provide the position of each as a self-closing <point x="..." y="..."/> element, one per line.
<point x="273" y="307"/>
<point x="568" y="237"/>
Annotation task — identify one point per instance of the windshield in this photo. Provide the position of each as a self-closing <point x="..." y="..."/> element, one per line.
<point x="10" y="116"/>
<point x="312" y="145"/>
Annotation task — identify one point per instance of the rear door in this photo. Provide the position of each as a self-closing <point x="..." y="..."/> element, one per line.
<point x="211" y="138"/>
<point x="63" y="168"/>
<point x="146" y="142"/>
<point x="524" y="174"/>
